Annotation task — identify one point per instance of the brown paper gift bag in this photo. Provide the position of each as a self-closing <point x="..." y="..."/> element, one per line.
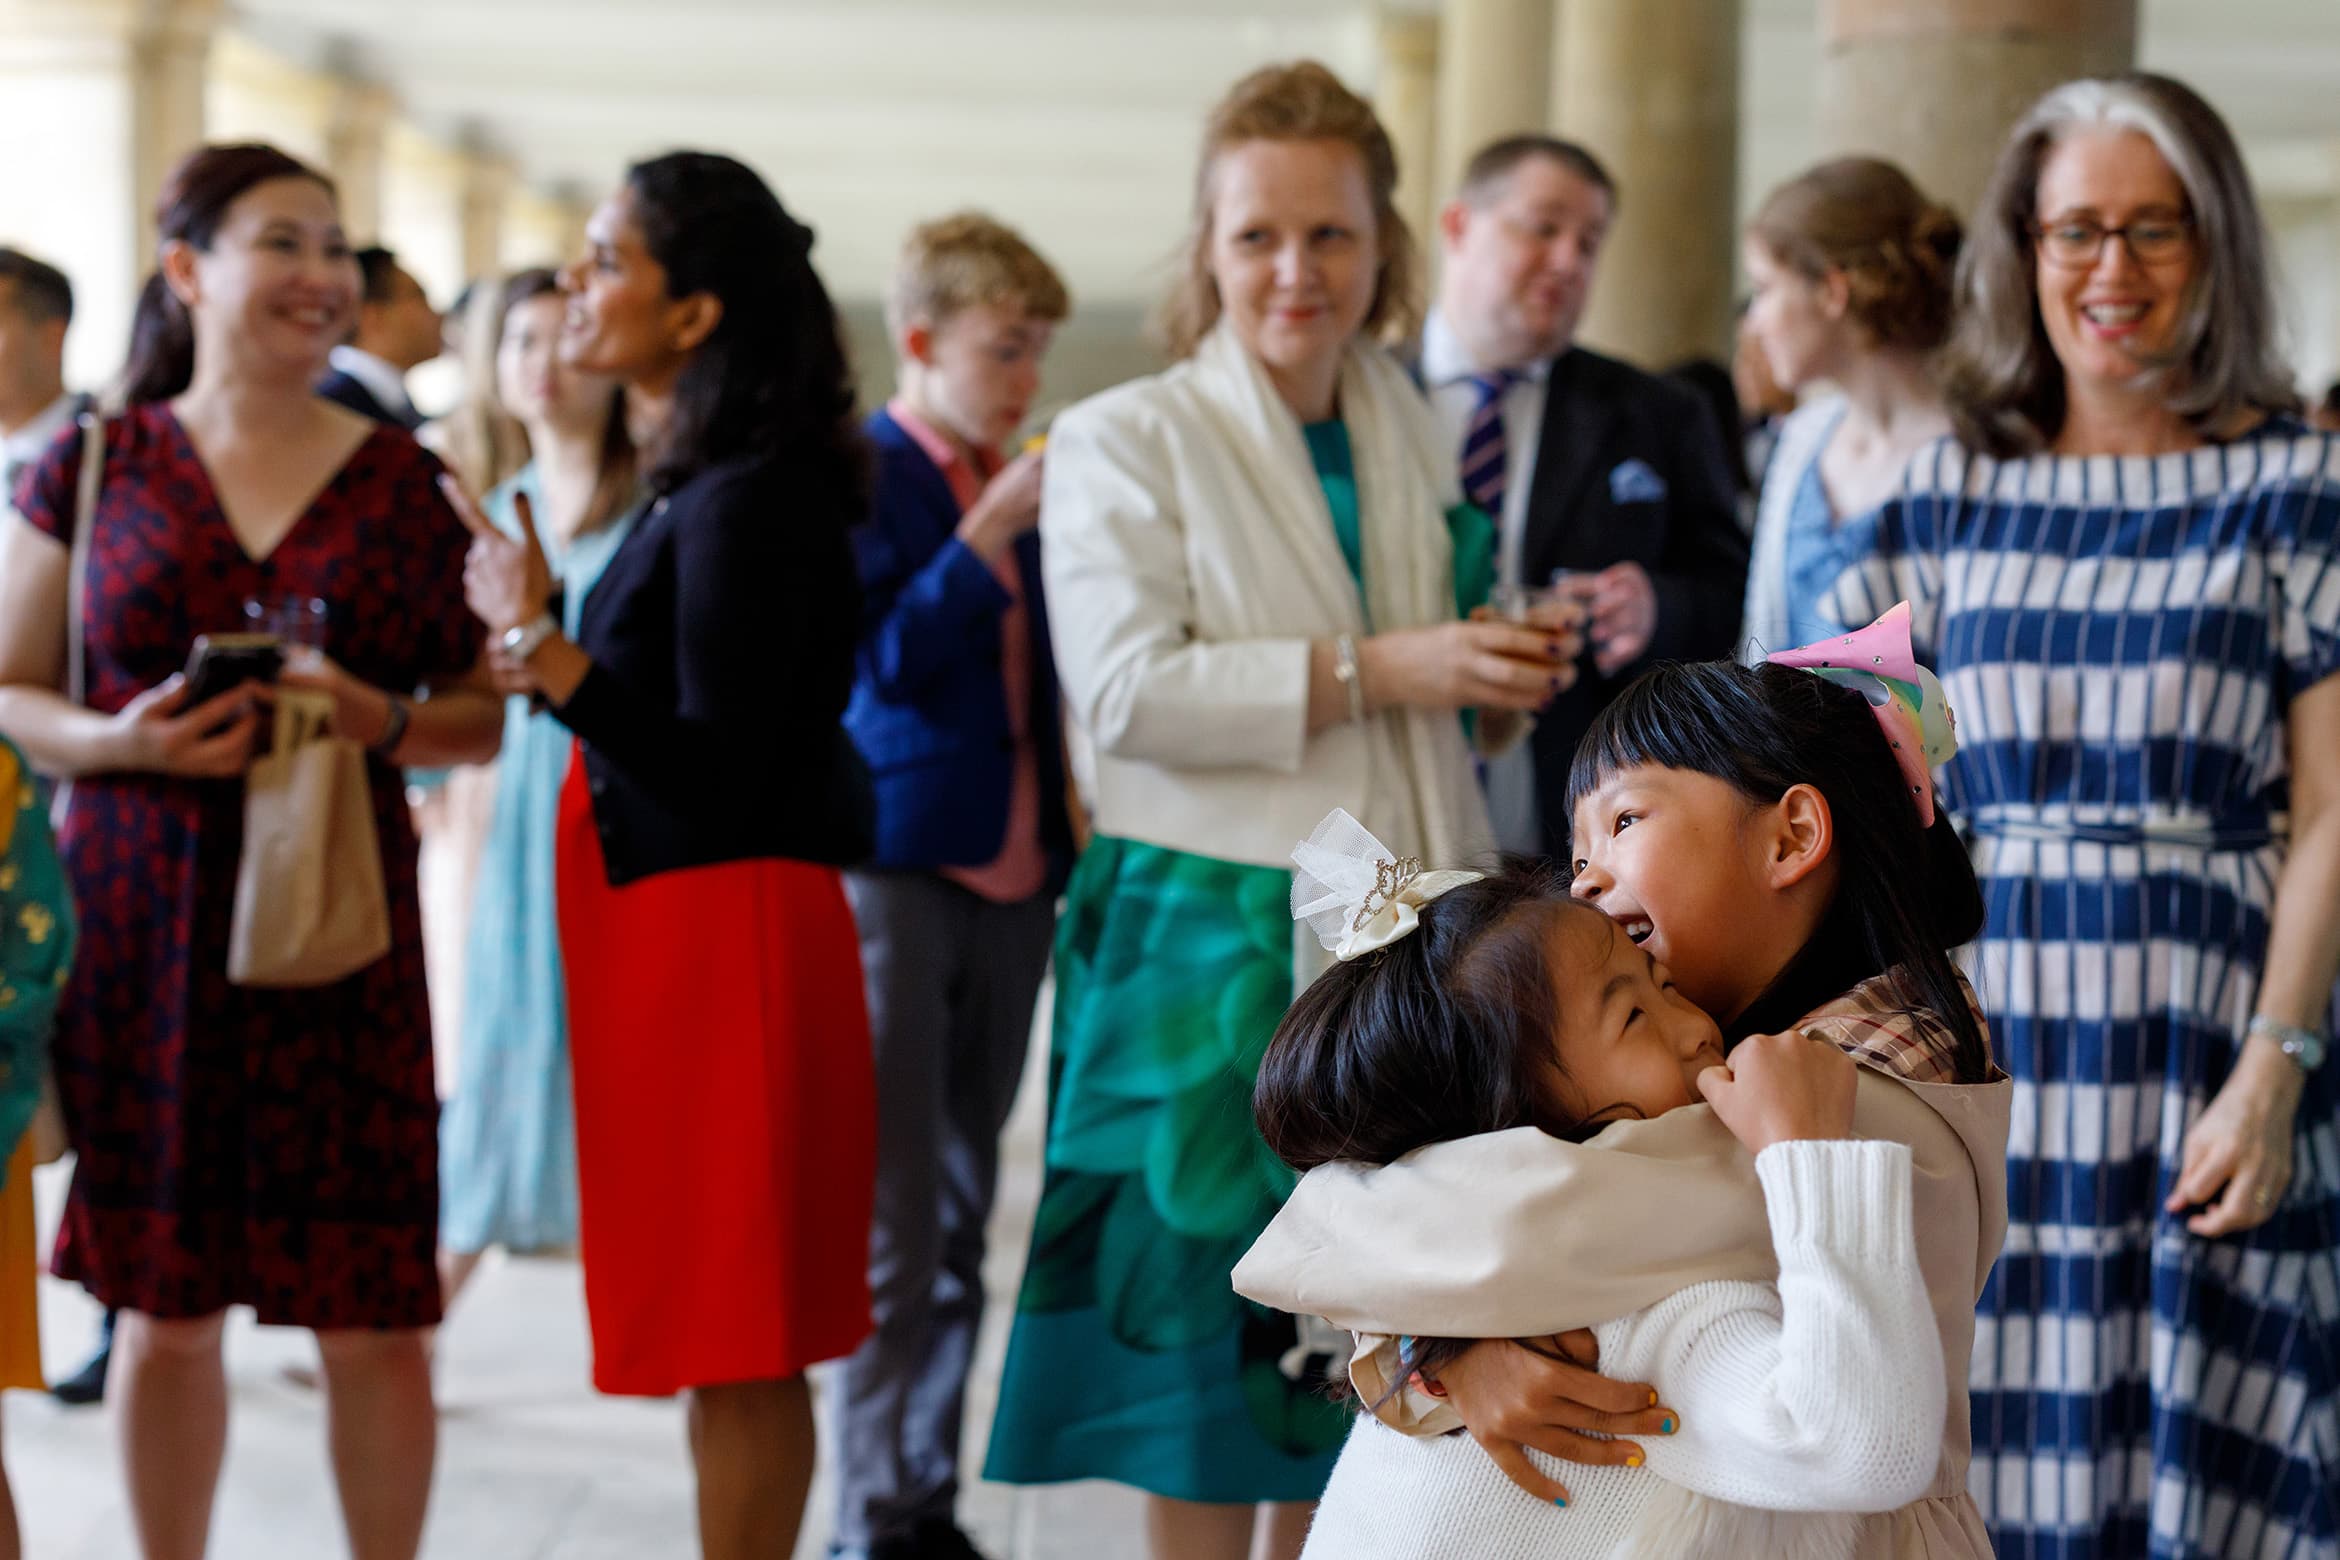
<point x="310" y="906"/>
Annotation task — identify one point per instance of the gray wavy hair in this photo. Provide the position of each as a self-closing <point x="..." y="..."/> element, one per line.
<point x="2002" y="381"/>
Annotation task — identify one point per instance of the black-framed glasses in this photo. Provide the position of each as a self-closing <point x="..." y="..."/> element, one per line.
<point x="2080" y="241"/>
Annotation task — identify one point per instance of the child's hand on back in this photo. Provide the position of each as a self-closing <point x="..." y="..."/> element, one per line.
<point x="1777" y="1088"/>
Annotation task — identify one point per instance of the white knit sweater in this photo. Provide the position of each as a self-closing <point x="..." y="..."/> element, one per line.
<point x="1800" y="1404"/>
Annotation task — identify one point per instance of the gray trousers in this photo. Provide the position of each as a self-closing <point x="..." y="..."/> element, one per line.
<point x="952" y="980"/>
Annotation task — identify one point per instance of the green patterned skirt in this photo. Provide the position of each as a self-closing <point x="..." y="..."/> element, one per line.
<point x="1132" y="1359"/>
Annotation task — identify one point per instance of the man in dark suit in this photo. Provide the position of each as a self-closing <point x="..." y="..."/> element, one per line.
<point x="1604" y="481"/>
<point x="397" y="332"/>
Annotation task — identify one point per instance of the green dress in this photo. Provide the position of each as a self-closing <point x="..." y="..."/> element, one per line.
<point x="36" y="944"/>
<point x="1132" y="1359"/>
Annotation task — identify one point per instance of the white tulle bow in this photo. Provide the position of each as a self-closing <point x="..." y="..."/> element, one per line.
<point x="1355" y="894"/>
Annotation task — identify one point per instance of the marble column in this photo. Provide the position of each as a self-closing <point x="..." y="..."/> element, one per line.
<point x="98" y="99"/>
<point x="486" y="193"/>
<point x="2330" y="279"/>
<point x="1651" y="88"/>
<point x="1405" y="95"/>
<point x="356" y="141"/>
<point x="1935" y="84"/>
<point x="1494" y="78"/>
<point x="545" y="227"/>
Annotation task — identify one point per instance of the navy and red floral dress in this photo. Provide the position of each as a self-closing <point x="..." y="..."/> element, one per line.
<point x="277" y="1149"/>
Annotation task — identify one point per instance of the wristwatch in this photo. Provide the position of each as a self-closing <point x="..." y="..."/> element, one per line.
<point x="393" y="727"/>
<point x="2303" y="1046"/>
<point x="522" y="642"/>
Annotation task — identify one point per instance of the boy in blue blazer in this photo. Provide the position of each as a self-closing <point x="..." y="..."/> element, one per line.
<point x="955" y="709"/>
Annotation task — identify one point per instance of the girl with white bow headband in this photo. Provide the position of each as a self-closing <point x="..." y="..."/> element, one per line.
<point x="1496" y="1098"/>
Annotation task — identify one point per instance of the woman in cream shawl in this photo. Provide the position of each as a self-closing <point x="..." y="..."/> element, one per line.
<point x="1257" y="568"/>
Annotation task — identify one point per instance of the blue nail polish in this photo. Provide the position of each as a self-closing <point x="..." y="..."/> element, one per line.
<point x="1667" y="1428"/>
<point x="1559" y="1500"/>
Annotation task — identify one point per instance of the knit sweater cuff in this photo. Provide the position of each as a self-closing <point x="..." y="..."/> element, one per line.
<point x="1839" y="1195"/>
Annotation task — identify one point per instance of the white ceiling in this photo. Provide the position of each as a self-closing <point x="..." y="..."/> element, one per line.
<point x="1075" y="119"/>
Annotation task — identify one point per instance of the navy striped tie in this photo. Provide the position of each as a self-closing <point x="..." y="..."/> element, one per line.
<point x="1485" y="451"/>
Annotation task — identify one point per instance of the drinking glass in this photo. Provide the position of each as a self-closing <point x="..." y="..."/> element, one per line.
<point x="293" y="619"/>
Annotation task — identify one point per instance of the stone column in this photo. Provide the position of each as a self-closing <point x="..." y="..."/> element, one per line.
<point x="1651" y="88"/>
<point x="423" y="185"/>
<point x="356" y="140"/>
<point x="1405" y="95"/>
<point x="98" y="99"/>
<point x="486" y="192"/>
<point x="545" y="227"/>
<point x="2331" y="274"/>
<point x="1935" y="84"/>
<point x="252" y="93"/>
<point x="170" y="48"/>
<point x="1494" y="78"/>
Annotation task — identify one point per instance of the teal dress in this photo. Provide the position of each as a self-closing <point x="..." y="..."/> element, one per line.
<point x="1132" y="1359"/>
<point x="507" y="1138"/>
<point x="36" y="944"/>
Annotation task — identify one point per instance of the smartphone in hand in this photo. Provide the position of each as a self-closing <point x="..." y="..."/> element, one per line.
<point x="223" y="661"/>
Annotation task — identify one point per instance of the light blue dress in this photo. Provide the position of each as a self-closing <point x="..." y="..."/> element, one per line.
<point x="1800" y="546"/>
<point x="507" y="1139"/>
<point x="1820" y="548"/>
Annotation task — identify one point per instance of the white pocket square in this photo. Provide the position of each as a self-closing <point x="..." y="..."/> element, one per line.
<point x="1632" y="482"/>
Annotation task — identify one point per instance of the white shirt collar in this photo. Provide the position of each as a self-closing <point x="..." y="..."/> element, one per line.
<point x="1445" y="362"/>
<point x="27" y="443"/>
<point x="382" y="381"/>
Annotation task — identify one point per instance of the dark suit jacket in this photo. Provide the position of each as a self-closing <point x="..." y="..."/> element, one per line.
<point x="722" y="640"/>
<point x="1590" y="505"/>
<point x="929" y="710"/>
<point x="343" y="390"/>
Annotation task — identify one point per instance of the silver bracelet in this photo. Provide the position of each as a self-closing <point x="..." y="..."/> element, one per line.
<point x="524" y="641"/>
<point x="2305" y="1047"/>
<point x="1345" y="673"/>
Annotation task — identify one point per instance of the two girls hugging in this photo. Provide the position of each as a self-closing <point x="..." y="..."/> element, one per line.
<point x="1714" y="1115"/>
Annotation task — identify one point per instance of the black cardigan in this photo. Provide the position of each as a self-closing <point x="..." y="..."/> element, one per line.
<point x="722" y="636"/>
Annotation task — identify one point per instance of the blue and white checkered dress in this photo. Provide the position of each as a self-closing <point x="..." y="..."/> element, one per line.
<point x="2120" y="638"/>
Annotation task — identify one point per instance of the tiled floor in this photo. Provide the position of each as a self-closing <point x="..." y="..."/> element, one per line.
<point x="532" y="1465"/>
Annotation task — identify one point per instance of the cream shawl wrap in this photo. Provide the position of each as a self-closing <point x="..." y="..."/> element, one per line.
<point x="1190" y="562"/>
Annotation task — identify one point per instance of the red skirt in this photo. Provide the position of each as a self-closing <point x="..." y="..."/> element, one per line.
<point x="726" y="1115"/>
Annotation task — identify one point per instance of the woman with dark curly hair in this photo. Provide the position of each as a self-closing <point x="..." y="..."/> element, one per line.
<point x="719" y="1044"/>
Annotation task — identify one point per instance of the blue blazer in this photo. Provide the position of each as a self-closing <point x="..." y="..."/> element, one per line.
<point x="929" y="708"/>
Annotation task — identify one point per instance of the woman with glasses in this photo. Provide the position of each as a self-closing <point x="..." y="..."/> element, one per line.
<point x="2126" y="568"/>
